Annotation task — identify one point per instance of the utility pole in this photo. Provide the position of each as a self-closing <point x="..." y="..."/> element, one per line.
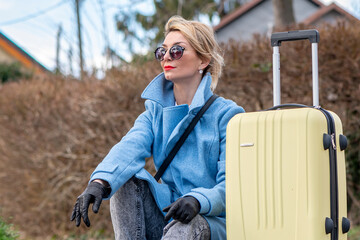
<point x="58" y="36"/>
<point x="283" y="13"/>
<point x="79" y="39"/>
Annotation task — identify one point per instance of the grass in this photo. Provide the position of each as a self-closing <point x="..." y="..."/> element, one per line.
<point x="97" y="235"/>
<point x="354" y="233"/>
<point x="7" y="232"/>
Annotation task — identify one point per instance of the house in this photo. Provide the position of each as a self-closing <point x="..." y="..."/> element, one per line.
<point x="256" y="16"/>
<point x="12" y="53"/>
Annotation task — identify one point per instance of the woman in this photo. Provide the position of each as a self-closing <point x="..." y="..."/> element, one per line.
<point x="192" y="191"/>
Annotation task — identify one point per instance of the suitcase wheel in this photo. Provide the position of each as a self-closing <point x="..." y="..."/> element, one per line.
<point x="345" y="225"/>
<point x="329" y="225"/>
<point x="343" y="142"/>
<point x="326" y="141"/>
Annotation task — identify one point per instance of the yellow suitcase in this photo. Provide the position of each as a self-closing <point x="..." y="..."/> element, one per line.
<point x="285" y="169"/>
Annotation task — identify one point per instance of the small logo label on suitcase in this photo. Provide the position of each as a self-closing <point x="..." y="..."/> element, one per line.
<point x="246" y="144"/>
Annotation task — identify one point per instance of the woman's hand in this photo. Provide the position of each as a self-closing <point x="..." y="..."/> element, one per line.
<point x="94" y="193"/>
<point x="184" y="209"/>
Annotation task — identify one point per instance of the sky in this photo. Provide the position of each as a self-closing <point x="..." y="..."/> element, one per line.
<point x="34" y="25"/>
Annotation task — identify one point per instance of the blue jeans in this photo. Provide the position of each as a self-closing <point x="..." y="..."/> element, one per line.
<point x="135" y="215"/>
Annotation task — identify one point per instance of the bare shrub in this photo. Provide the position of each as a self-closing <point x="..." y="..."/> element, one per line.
<point x="54" y="131"/>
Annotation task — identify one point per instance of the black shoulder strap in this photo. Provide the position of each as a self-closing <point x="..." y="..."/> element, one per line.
<point x="183" y="137"/>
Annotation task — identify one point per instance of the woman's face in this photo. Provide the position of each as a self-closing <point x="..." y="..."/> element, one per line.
<point x="187" y="67"/>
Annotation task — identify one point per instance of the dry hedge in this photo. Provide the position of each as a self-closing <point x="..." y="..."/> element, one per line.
<point x="54" y="131"/>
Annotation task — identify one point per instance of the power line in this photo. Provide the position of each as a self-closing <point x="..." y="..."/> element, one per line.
<point x="33" y="15"/>
<point x="86" y="32"/>
<point x="54" y="25"/>
<point x="47" y="27"/>
<point x="124" y="7"/>
<point x="92" y="24"/>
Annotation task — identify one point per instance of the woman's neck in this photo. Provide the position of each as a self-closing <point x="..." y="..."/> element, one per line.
<point x="184" y="92"/>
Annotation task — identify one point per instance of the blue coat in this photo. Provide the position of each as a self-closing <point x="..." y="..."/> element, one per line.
<point x="198" y="169"/>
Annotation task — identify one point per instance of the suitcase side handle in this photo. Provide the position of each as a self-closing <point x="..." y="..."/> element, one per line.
<point x="276" y="39"/>
<point x="288" y="105"/>
<point x="312" y="34"/>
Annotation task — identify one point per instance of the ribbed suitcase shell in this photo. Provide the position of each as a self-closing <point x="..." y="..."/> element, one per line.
<point x="278" y="177"/>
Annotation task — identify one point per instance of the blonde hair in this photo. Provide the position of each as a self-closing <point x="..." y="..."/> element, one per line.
<point x="201" y="38"/>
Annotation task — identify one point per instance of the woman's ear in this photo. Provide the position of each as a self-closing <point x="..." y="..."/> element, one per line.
<point x="204" y="63"/>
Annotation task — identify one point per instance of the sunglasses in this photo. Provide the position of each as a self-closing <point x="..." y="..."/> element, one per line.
<point x="175" y="52"/>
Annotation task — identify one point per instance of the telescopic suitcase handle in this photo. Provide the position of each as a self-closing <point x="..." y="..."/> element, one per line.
<point x="312" y="35"/>
<point x="276" y="39"/>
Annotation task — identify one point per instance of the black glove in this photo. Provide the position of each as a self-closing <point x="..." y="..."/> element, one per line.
<point x="184" y="209"/>
<point x="94" y="193"/>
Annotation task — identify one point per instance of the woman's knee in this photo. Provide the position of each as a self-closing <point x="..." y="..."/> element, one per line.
<point x="196" y="229"/>
<point x="128" y="192"/>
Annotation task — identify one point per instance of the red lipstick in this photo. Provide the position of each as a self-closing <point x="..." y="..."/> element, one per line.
<point x="168" y="67"/>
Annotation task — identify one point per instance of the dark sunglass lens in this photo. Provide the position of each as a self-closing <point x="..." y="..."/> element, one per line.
<point x="176" y="52"/>
<point x="160" y="53"/>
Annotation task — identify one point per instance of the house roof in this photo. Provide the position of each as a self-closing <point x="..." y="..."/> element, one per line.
<point x="237" y="13"/>
<point x="19" y="54"/>
<point x="323" y="9"/>
<point x="327" y="9"/>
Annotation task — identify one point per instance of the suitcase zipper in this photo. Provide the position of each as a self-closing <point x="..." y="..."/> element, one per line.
<point x="334" y="204"/>
<point x="333" y="141"/>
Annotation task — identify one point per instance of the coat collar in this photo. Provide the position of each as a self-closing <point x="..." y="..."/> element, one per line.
<point x="160" y="90"/>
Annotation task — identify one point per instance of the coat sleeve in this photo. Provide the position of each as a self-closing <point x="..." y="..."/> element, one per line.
<point x="128" y="156"/>
<point x="212" y="200"/>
